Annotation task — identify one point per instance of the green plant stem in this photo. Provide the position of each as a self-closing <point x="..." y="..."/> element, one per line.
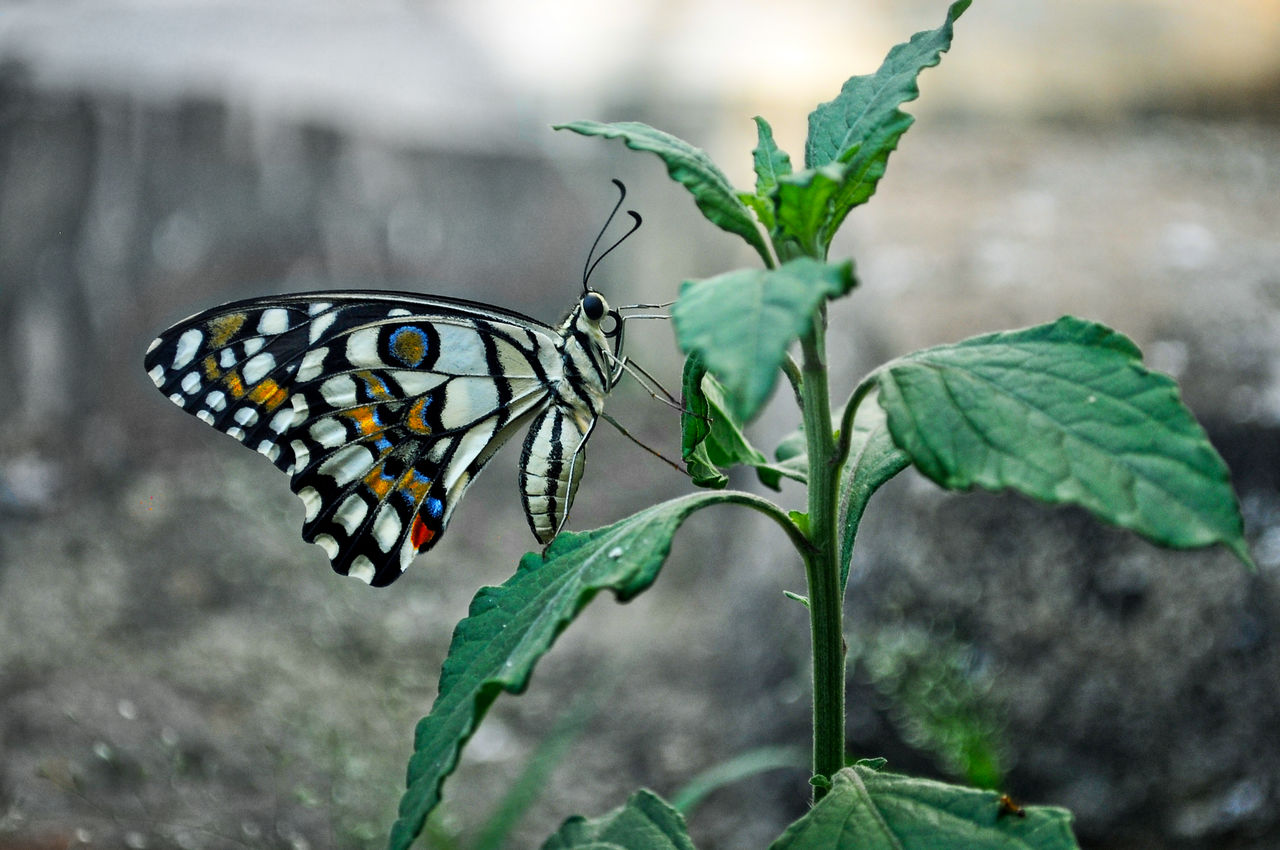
<point x="821" y="566"/>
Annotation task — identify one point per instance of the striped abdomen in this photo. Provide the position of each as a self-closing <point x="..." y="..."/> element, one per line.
<point x="550" y="468"/>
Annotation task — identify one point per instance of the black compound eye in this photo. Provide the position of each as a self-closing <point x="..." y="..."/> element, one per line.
<point x="594" y="307"/>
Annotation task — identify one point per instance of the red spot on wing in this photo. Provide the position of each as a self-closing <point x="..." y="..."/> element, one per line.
<point x="419" y="534"/>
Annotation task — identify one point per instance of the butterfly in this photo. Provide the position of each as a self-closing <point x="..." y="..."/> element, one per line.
<point x="382" y="407"/>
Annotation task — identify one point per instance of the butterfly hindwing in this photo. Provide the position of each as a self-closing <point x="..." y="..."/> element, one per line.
<point x="381" y="408"/>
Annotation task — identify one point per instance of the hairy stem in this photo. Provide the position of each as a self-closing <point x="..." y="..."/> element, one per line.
<point x="821" y="565"/>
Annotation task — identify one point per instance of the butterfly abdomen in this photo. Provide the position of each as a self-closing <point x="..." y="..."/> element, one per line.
<point x="550" y="467"/>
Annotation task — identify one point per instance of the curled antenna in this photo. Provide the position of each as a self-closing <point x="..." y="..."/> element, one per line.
<point x="590" y="265"/>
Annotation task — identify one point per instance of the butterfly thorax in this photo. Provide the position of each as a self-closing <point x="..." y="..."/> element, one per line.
<point x="588" y="364"/>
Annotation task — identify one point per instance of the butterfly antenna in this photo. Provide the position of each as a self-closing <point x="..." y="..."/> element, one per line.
<point x="659" y="455"/>
<point x="590" y="265"/>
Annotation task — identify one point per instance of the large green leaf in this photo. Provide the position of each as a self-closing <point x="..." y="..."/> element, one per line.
<point x="854" y="133"/>
<point x="869" y="810"/>
<point x="645" y="822"/>
<point x="690" y="167"/>
<point x="742" y="322"/>
<point x="1064" y="412"/>
<point x="510" y="627"/>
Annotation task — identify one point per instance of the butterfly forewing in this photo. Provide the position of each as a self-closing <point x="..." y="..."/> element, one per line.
<point x="381" y="408"/>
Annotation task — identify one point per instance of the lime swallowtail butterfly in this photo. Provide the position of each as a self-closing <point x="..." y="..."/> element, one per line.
<point x="382" y="407"/>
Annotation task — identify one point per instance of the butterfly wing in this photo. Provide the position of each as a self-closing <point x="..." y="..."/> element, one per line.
<point x="380" y="407"/>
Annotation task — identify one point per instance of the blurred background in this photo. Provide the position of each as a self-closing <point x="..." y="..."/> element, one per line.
<point x="178" y="669"/>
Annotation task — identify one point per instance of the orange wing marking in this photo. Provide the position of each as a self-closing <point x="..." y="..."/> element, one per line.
<point x="269" y="394"/>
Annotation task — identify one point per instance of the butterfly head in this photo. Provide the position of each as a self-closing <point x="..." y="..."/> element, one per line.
<point x="595" y="320"/>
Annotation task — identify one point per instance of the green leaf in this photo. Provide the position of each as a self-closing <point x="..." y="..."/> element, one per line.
<point x="1066" y="413"/>
<point x="873" y="459"/>
<point x="796" y="597"/>
<point x="770" y="162"/>
<point x="795" y="465"/>
<point x="722" y="443"/>
<point x="510" y="627"/>
<point x="860" y="128"/>
<point x="690" y="167"/>
<point x="869" y="810"/>
<point x="695" y="427"/>
<point x="792" y="446"/>
<point x="806" y="206"/>
<point x="645" y="822"/>
<point x="762" y="207"/>
<point x="742" y="322"/>
<point x="865" y="114"/>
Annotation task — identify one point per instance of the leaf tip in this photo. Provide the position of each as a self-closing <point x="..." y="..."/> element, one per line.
<point x="1240" y="549"/>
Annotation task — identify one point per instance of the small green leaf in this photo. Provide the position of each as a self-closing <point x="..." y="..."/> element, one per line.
<point x="806" y="206"/>
<point x="510" y="627"/>
<point x="762" y="207"/>
<point x="645" y="822"/>
<point x="851" y="137"/>
<point x="796" y="597"/>
<point x="695" y="417"/>
<point x="721" y="441"/>
<point x="873" y="459"/>
<point x="865" y="114"/>
<point x="692" y="168"/>
<point x="770" y="162"/>
<point x="792" y="446"/>
<point x="792" y="457"/>
<point x="1065" y="413"/>
<point x="695" y="427"/>
<point x="727" y="444"/>
<point x="869" y="810"/>
<point x="742" y="323"/>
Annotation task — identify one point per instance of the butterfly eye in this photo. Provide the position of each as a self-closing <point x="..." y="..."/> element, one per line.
<point x="594" y="307"/>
